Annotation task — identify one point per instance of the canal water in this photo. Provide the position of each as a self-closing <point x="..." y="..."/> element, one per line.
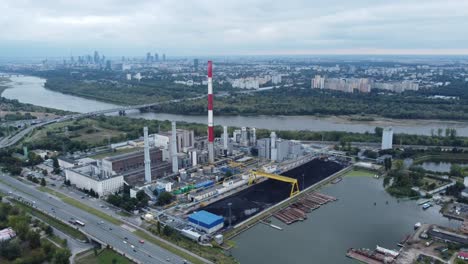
<point x="352" y="221"/>
<point x="31" y="90"/>
<point x="440" y="166"/>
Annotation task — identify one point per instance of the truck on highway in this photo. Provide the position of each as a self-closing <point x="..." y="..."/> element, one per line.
<point x="78" y="222"/>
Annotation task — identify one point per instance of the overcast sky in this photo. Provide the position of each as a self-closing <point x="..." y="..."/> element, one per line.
<point x="238" y="27"/>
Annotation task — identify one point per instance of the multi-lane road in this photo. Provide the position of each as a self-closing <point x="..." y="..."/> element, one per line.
<point x="119" y="238"/>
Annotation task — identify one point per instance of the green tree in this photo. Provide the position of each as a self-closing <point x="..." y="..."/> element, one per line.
<point x="165" y="198"/>
<point x="34" y="239"/>
<point x="49" y="230"/>
<point x="10" y="249"/>
<point x="388" y="164"/>
<point x="167" y="230"/>
<point x="61" y="256"/>
<point x="56" y="165"/>
<point x="158" y="227"/>
<point x="399" y="165"/>
<point x="43" y="182"/>
<point x="456" y="170"/>
<point x="378" y="131"/>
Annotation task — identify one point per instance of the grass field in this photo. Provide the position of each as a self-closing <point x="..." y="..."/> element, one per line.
<point x="51" y="221"/>
<point x="91" y="210"/>
<point x="90" y="133"/>
<point x="104" y="257"/>
<point x="50" y="191"/>
<point x="360" y="173"/>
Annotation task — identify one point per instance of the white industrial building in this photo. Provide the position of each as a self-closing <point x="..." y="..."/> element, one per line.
<point x="185" y="139"/>
<point x="387" y="138"/>
<point x="65" y="162"/>
<point x="91" y="177"/>
<point x="278" y="149"/>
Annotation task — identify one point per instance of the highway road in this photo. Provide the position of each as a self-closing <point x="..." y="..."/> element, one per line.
<point x="116" y="236"/>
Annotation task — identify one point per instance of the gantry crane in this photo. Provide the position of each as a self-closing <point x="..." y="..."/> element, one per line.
<point x="294" y="184"/>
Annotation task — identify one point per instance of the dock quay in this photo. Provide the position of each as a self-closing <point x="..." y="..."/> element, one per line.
<point x="298" y="210"/>
<point x="378" y="256"/>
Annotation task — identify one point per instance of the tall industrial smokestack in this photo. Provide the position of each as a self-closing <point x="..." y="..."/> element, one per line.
<point x="225" y="140"/>
<point x="273" y="150"/>
<point x="253" y="136"/>
<point x="147" y="156"/>
<point x="210" y="114"/>
<point x="175" y="162"/>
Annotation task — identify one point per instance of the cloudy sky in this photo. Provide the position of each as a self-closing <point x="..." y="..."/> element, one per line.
<point x="237" y="27"/>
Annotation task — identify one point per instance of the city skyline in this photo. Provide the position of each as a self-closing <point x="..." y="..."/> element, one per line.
<point x="202" y="28"/>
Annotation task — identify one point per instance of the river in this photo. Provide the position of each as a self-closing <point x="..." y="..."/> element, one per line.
<point x="352" y="221"/>
<point x="31" y="90"/>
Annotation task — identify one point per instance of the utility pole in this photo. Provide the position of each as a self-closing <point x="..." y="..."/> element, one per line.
<point x="303" y="182"/>
<point x="230" y="214"/>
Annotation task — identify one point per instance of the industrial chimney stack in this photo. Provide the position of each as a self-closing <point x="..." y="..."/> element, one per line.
<point x="147" y="156"/>
<point x="225" y="140"/>
<point x="210" y="114"/>
<point x="175" y="161"/>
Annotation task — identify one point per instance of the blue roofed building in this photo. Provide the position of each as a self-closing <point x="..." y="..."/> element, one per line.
<point x="206" y="221"/>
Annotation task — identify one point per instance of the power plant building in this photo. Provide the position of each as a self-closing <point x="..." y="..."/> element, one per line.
<point x="132" y="165"/>
<point x="91" y="177"/>
<point x="278" y="149"/>
<point x="387" y="138"/>
<point x="185" y="139"/>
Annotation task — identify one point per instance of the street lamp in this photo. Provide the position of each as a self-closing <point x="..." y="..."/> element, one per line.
<point x="303" y="182"/>
<point x="230" y="215"/>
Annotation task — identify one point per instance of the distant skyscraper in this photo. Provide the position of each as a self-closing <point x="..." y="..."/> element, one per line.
<point x="148" y="57"/>
<point x="108" y="65"/>
<point x="96" y="57"/>
<point x="318" y="82"/>
<point x="156" y="56"/>
<point x="164" y="57"/>
<point x="195" y="64"/>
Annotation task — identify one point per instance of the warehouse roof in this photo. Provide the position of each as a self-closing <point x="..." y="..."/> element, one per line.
<point x="204" y="217"/>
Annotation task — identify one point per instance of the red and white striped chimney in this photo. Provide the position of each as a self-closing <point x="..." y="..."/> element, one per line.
<point x="210" y="114"/>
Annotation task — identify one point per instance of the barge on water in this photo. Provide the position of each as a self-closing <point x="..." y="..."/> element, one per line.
<point x="298" y="210"/>
<point x="378" y="256"/>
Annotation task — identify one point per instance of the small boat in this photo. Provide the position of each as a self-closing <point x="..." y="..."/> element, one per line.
<point x="276" y="227"/>
<point x="337" y="180"/>
<point x="426" y="206"/>
<point x="402" y="242"/>
<point x="417" y="225"/>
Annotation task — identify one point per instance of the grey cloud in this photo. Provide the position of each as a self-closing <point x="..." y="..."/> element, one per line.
<point x="233" y="27"/>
